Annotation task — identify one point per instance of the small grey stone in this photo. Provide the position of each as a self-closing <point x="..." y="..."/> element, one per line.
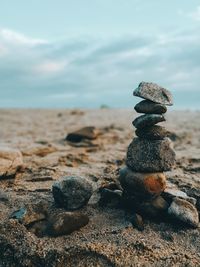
<point x="147" y="120"/>
<point x="154" y="132"/>
<point x="72" y="192"/>
<point x="110" y="198"/>
<point x="184" y="211"/>
<point x="150" y="156"/>
<point x="31" y="213"/>
<point x="154" y="92"/>
<point x="149" y="107"/>
<point x="171" y="191"/>
<point x="66" y="223"/>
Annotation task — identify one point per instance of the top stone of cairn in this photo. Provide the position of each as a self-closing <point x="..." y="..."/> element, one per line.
<point x="154" y="92"/>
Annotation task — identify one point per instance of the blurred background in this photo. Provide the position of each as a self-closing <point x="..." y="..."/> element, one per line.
<point x="93" y="53"/>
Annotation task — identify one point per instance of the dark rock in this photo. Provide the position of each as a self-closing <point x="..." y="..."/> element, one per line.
<point x="38" y="228"/>
<point x="155" y="207"/>
<point x="149" y="107"/>
<point x="154" y="92"/>
<point x="72" y="192"/>
<point x="147" y="120"/>
<point x="137" y="221"/>
<point x="143" y="185"/>
<point x="110" y="198"/>
<point x="11" y="161"/>
<point x="31" y="213"/>
<point x="66" y="223"/>
<point x="184" y="211"/>
<point x="155" y="132"/>
<point x="150" y="156"/>
<point x="84" y="133"/>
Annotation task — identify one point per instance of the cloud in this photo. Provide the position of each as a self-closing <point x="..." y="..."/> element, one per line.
<point x="16" y="38"/>
<point x="50" y="67"/>
<point x="196" y="14"/>
<point x="89" y="72"/>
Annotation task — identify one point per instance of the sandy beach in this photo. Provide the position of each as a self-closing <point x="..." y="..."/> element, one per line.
<point x="108" y="239"/>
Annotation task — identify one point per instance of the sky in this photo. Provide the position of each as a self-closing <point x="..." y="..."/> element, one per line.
<point x="66" y="54"/>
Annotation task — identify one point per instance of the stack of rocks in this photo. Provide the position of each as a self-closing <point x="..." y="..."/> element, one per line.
<point x="149" y="154"/>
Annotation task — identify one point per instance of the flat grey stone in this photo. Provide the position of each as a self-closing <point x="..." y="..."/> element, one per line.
<point x="72" y="192"/>
<point x="154" y="92"/>
<point x="147" y="120"/>
<point x="149" y="107"/>
<point x="154" y="132"/>
<point x="184" y="211"/>
<point x="150" y="156"/>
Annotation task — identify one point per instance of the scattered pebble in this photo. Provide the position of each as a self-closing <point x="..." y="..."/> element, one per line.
<point x="83" y="133"/>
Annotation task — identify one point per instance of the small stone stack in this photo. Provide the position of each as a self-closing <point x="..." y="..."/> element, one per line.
<point x="150" y="153"/>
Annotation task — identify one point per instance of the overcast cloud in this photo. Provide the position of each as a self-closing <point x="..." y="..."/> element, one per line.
<point x="88" y="71"/>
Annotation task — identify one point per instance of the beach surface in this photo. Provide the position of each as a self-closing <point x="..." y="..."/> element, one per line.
<point x="108" y="239"/>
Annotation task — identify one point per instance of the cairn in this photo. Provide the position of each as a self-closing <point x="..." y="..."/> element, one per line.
<point x="150" y="154"/>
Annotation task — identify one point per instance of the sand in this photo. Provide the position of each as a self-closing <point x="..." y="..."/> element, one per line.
<point x="109" y="239"/>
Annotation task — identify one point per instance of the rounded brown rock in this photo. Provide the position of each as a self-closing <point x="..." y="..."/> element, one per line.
<point x="150" y="155"/>
<point x="154" y="132"/>
<point x="143" y="184"/>
<point x="149" y="107"/>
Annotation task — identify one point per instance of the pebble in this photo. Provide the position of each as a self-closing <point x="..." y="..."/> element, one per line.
<point x="110" y="198"/>
<point x="66" y="223"/>
<point x="89" y="132"/>
<point x="11" y="161"/>
<point x="155" y="132"/>
<point x="184" y="211"/>
<point x="137" y="221"/>
<point x="31" y="213"/>
<point x="72" y="192"/>
<point x="171" y="191"/>
<point x="150" y="156"/>
<point x="149" y="107"/>
<point x="155" y="207"/>
<point x="143" y="184"/>
<point x="147" y="120"/>
<point x="154" y="92"/>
